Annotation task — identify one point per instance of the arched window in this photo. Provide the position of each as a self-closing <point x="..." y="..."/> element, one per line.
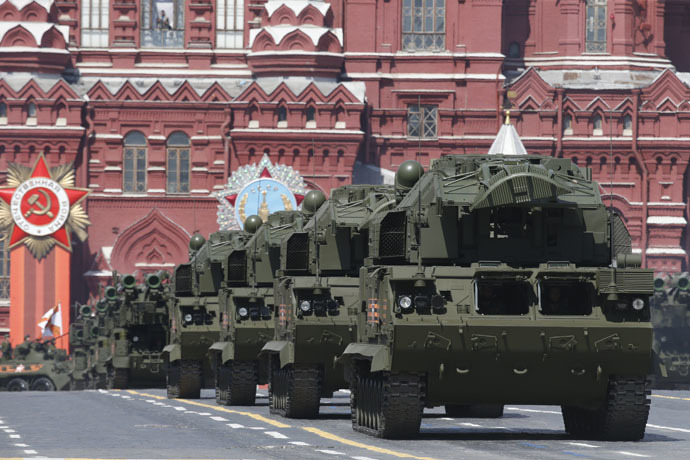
<point x="134" y="164"/>
<point x="567" y="125"/>
<point x="597" y="127"/>
<point x="3" y="113"/>
<point x="31" y="114"/>
<point x="162" y="23"/>
<point x="627" y="125"/>
<point x="178" y="163"/>
<point x="4" y="266"/>
<point x="282" y="117"/>
<point x="311" y="117"/>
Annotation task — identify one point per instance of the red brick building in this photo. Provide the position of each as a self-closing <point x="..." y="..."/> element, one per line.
<point x="158" y="102"/>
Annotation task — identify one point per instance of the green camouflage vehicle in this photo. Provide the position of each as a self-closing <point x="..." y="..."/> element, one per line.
<point x="194" y="315"/>
<point x="248" y="309"/>
<point x="317" y="296"/>
<point x="491" y="282"/>
<point x="139" y="333"/>
<point x="33" y="365"/>
<point x="670" y="307"/>
<point x="82" y="337"/>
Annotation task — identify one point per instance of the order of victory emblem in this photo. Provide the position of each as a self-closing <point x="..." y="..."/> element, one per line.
<point x="258" y="189"/>
<point x="40" y="207"/>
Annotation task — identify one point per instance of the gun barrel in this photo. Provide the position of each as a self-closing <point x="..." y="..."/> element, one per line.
<point x="110" y="293"/>
<point x="129" y="282"/>
<point x="153" y="281"/>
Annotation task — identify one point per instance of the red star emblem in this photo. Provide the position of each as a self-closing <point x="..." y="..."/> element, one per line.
<point x="40" y="208"/>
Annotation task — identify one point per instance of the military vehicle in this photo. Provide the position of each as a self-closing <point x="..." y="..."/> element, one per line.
<point x="670" y="306"/>
<point x="35" y="366"/>
<point x="80" y="344"/>
<point x="194" y="315"/>
<point x="317" y="296"/>
<point x="138" y="333"/>
<point x="247" y="307"/>
<point x="491" y="282"/>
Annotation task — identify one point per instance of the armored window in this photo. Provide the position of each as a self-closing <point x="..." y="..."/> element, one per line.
<point x="95" y="23"/>
<point x="422" y="121"/>
<point x="3" y="113"/>
<point x="229" y="23"/>
<point x="134" y="163"/>
<point x="424" y="25"/>
<point x="178" y="163"/>
<point x="627" y="125"/>
<point x="4" y="267"/>
<point x="597" y="129"/>
<point x="567" y="125"/>
<point x="595" y="32"/>
<point x="162" y="23"/>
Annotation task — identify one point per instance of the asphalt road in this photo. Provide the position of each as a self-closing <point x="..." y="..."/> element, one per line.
<point x="143" y="424"/>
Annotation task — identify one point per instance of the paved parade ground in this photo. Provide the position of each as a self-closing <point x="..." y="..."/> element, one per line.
<point x="143" y="424"/>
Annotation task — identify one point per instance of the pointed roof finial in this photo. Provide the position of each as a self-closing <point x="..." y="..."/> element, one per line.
<point x="507" y="120"/>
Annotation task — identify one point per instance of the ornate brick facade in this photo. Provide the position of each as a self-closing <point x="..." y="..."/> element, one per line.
<point x="342" y="91"/>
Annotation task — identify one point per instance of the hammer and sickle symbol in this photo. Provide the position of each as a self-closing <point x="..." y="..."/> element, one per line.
<point x="33" y="201"/>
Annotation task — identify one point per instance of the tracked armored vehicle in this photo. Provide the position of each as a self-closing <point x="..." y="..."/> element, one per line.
<point x="491" y="282"/>
<point x="670" y="307"/>
<point x="194" y="315"/>
<point x="35" y="366"/>
<point x="317" y="297"/>
<point x="248" y="308"/>
<point x="81" y="341"/>
<point x="139" y="333"/>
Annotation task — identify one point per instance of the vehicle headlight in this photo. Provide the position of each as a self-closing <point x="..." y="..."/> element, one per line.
<point x="305" y="306"/>
<point x="242" y="311"/>
<point x="405" y="302"/>
<point x="188" y="318"/>
<point x="638" y="304"/>
<point x="135" y="339"/>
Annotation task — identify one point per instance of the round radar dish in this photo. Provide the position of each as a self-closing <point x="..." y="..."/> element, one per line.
<point x="196" y="242"/>
<point x="408" y="174"/>
<point x="313" y="201"/>
<point x="252" y="223"/>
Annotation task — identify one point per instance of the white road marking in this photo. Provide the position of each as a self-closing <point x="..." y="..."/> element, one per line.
<point x="204" y="413"/>
<point x="3" y="427"/>
<point x="151" y="400"/>
<point x="534" y="410"/>
<point x="669" y="428"/>
<point x="235" y="425"/>
<point x="179" y="408"/>
<point x="631" y="454"/>
<point x="363" y="458"/>
<point x="256" y="428"/>
<point x="474" y="425"/>
<point x="15" y="436"/>
<point x="330" y="452"/>
<point x="275" y="434"/>
<point x="582" y="444"/>
<point x="299" y="443"/>
<point x="29" y="451"/>
<point x="447" y="418"/>
<point x="22" y="445"/>
<point x="102" y="391"/>
<point x="126" y="396"/>
<point x="219" y="419"/>
<point x="8" y="430"/>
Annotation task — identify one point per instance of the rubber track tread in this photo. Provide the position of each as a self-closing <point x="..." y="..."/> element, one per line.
<point x="118" y="379"/>
<point x="387" y="405"/>
<point x="623" y="417"/>
<point x="184" y="380"/>
<point x="236" y="383"/>
<point x="295" y="391"/>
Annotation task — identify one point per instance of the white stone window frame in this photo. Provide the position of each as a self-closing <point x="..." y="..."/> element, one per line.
<point x="95" y="23"/>
<point x="229" y="24"/>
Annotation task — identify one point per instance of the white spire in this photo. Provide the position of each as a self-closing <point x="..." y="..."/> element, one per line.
<point x="507" y="141"/>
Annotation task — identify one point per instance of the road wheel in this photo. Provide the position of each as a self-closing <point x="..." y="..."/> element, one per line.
<point x="387" y="405"/>
<point x="236" y="383"/>
<point x="474" y="410"/>
<point x="622" y="417"/>
<point x="43" y="384"/>
<point x="17" y="384"/>
<point x="189" y="379"/>
<point x="118" y="379"/>
<point x="295" y="392"/>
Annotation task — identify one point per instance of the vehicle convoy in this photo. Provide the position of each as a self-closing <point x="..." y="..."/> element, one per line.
<point x="492" y="282"/>
<point x="33" y="365"/>
<point x="670" y="306"/>
<point x="139" y="332"/>
<point x="247" y="307"/>
<point x="317" y="296"/>
<point x="194" y="313"/>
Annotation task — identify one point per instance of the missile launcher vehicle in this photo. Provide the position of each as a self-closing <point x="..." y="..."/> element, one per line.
<point x="80" y="341"/>
<point x="139" y="333"/>
<point x="33" y="365"/>
<point x="317" y="297"/>
<point x="670" y="306"/>
<point x="247" y="307"/>
<point x="501" y="279"/>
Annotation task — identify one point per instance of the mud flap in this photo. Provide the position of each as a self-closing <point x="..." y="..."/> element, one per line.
<point x="377" y="355"/>
<point x="226" y="350"/>
<point x="284" y="350"/>
<point x="172" y="353"/>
